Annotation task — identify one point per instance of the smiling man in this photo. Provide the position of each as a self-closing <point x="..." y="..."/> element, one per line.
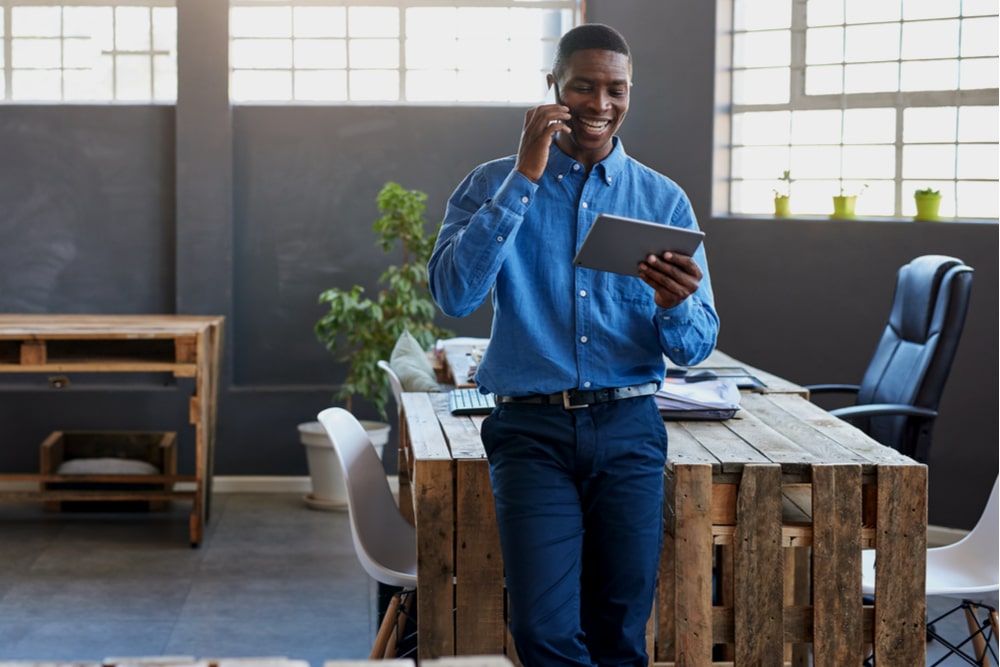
<point x="576" y="445"/>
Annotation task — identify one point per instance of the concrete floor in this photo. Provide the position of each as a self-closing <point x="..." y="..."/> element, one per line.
<point x="272" y="578"/>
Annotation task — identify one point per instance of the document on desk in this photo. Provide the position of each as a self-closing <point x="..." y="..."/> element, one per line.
<point x="709" y="399"/>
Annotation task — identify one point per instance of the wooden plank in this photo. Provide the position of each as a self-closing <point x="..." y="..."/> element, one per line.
<point x="460" y="432"/>
<point x="32" y="353"/>
<point x="844" y="434"/>
<point x="792" y="458"/>
<point x="723" y="443"/>
<point x="666" y="599"/>
<point x="433" y="485"/>
<point x="901" y="566"/>
<point x="837" y="565"/>
<point x="693" y="574"/>
<point x="775" y="384"/>
<point x="772" y="410"/>
<point x="479" y="580"/>
<point x="426" y="440"/>
<point x="757" y="564"/>
<point x="684" y="448"/>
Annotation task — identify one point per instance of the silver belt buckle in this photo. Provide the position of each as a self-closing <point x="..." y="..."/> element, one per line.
<point x="567" y="405"/>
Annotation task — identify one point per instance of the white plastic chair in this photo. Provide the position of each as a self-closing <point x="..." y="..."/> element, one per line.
<point x="969" y="571"/>
<point x="394" y="381"/>
<point x="384" y="541"/>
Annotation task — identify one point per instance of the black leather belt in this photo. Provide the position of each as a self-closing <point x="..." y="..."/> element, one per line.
<point x="578" y="398"/>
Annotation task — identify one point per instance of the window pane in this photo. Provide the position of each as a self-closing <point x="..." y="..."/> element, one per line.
<point x="320" y="21"/>
<point x="931" y="39"/>
<point x="261" y="53"/>
<point x="978" y="124"/>
<point x="165" y="29"/>
<point x="133" y="78"/>
<point x="869" y="126"/>
<point x="870" y="161"/>
<point x="929" y="75"/>
<point x="320" y="53"/>
<point x="978" y="161"/>
<point x="321" y="85"/>
<point x="373" y="21"/>
<point x="80" y="53"/>
<point x="870" y="43"/>
<point x="824" y="45"/>
<point x="427" y="22"/>
<point x="132" y="32"/>
<point x="164" y="78"/>
<point x="761" y="86"/>
<point x="824" y="12"/>
<point x="978" y="200"/>
<point x="929" y="124"/>
<point x="760" y="162"/>
<point x="930" y="9"/>
<point x="431" y="54"/>
<point x="879" y="198"/>
<point x="922" y="162"/>
<point x="982" y="73"/>
<point x="35" y="53"/>
<point x="765" y="127"/>
<point x="979" y="37"/>
<point x="260" y="22"/>
<point x="92" y="84"/>
<point x="374" y="53"/>
<point x="374" y="85"/>
<point x="36" y="85"/>
<point x="92" y="22"/>
<point x="816" y="127"/>
<point x="762" y="14"/>
<point x="260" y="85"/>
<point x="763" y="49"/>
<point x="866" y="11"/>
<point x="979" y="7"/>
<point x="812" y="162"/>
<point x="35" y="21"/>
<point x="825" y="80"/>
<point x="878" y="77"/>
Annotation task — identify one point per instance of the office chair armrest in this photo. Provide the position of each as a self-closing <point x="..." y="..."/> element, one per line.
<point x="882" y="410"/>
<point x="833" y="388"/>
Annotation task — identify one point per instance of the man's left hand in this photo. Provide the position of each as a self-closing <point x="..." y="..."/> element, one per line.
<point x="672" y="276"/>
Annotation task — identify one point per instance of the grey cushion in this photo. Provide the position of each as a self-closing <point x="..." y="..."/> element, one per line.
<point x="411" y="365"/>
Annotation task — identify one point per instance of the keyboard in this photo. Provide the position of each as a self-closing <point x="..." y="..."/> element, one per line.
<point x="470" y="402"/>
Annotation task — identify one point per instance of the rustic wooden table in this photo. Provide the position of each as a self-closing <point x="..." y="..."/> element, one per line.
<point x="777" y="503"/>
<point x="183" y="345"/>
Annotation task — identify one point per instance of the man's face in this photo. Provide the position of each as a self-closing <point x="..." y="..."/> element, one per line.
<point x="595" y="86"/>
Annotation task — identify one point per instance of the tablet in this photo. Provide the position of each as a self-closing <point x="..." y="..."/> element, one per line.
<point x="618" y="244"/>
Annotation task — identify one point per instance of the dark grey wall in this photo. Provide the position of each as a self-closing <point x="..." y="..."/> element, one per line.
<point x="250" y="212"/>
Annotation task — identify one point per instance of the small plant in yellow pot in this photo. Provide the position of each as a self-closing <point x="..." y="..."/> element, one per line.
<point x="928" y="203"/>
<point x="783" y="196"/>
<point x="843" y="205"/>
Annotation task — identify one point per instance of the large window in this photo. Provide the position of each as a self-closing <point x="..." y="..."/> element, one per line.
<point x="88" y="51"/>
<point x="410" y="51"/>
<point x="882" y="97"/>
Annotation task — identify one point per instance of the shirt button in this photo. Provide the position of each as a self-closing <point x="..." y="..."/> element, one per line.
<point x="559" y="177"/>
<point x="583" y="292"/>
<point x="586" y="384"/>
<point x="586" y="205"/>
<point x="583" y="339"/>
<point x="499" y="239"/>
<point x="576" y="167"/>
<point x="608" y="179"/>
<point x="524" y="200"/>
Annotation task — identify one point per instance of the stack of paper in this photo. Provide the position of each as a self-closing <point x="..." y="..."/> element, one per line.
<point x="679" y="394"/>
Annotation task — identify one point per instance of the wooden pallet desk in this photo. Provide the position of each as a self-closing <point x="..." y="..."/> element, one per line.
<point x="783" y="481"/>
<point x="186" y="346"/>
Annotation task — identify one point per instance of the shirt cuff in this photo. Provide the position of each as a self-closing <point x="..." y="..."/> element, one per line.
<point x="516" y="193"/>
<point x="677" y="316"/>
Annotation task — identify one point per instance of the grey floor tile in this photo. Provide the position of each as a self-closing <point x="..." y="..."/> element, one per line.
<point x="81" y="639"/>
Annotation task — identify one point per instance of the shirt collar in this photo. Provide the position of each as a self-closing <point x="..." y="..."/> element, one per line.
<point x="561" y="164"/>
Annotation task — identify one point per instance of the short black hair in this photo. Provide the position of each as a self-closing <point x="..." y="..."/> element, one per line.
<point x="589" y="36"/>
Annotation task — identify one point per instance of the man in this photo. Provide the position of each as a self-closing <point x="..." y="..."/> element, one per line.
<point x="576" y="445"/>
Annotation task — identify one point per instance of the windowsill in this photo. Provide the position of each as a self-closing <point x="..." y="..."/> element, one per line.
<point x="856" y="219"/>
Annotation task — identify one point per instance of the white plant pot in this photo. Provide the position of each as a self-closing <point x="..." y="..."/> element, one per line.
<point x="329" y="491"/>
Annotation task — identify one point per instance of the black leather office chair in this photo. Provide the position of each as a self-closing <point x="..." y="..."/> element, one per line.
<point x="897" y="400"/>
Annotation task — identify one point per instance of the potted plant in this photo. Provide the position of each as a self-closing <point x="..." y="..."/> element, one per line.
<point x="843" y="205"/>
<point x="782" y="196"/>
<point x="362" y="330"/>
<point x="928" y="202"/>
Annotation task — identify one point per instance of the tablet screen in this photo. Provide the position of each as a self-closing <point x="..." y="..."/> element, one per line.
<point x="618" y="244"/>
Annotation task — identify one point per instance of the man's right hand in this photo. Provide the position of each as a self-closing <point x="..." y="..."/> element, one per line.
<point x="540" y="126"/>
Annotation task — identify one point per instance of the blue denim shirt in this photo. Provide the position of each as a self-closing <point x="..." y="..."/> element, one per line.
<point x="557" y="326"/>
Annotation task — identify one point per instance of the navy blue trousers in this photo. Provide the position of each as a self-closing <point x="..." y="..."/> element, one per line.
<point x="579" y="502"/>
